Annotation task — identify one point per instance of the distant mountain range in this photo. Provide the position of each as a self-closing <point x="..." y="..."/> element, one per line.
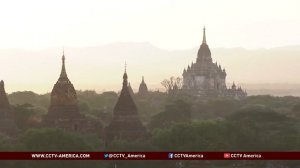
<point x="260" y="71"/>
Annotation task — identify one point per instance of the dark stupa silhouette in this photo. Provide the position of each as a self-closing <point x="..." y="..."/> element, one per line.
<point x="63" y="110"/>
<point x="7" y="123"/>
<point x="125" y="124"/>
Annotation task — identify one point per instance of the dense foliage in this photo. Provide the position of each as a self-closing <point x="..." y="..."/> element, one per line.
<point x="175" y="123"/>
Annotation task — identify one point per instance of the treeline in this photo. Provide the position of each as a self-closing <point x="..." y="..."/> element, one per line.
<point x="256" y="123"/>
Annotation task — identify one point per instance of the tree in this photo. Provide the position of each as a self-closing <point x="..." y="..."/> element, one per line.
<point x="172" y="84"/>
<point x="197" y="136"/>
<point x="26" y="116"/>
<point x="48" y="139"/>
<point x="177" y="112"/>
<point x="261" y="128"/>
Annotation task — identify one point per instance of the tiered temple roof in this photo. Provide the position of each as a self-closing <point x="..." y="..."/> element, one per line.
<point x="206" y="78"/>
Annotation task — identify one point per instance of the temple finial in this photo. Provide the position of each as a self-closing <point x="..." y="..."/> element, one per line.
<point x="63" y="56"/>
<point x="125" y="77"/>
<point x="63" y="73"/>
<point x="143" y="81"/>
<point x="204" y="35"/>
<point x="1" y="85"/>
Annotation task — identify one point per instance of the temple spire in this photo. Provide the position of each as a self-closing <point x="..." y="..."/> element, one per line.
<point x="4" y="104"/>
<point x="125" y="66"/>
<point x="1" y="85"/>
<point x="204" y="36"/>
<point x="125" y="77"/>
<point x="63" y="73"/>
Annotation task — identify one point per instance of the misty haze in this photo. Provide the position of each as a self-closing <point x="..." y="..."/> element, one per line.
<point x="260" y="71"/>
<point x="150" y="84"/>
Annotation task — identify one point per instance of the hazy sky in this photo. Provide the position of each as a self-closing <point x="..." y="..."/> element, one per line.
<point x="168" y="24"/>
<point x="41" y="28"/>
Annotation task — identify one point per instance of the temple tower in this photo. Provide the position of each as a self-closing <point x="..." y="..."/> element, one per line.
<point x="206" y="78"/>
<point x="4" y="104"/>
<point x="143" y="89"/>
<point x="63" y="110"/>
<point x="7" y="123"/>
<point x="125" y="124"/>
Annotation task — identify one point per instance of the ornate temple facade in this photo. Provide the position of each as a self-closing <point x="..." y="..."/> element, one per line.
<point x="204" y="78"/>
<point x="125" y="124"/>
<point x="7" y="123"/>
<point x="143" y="89"/>
<point x="64" y="111"/>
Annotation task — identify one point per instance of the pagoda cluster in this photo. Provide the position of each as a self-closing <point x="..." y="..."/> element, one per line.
<point x="204" y="78"/>
<point x="64" y="112"/>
